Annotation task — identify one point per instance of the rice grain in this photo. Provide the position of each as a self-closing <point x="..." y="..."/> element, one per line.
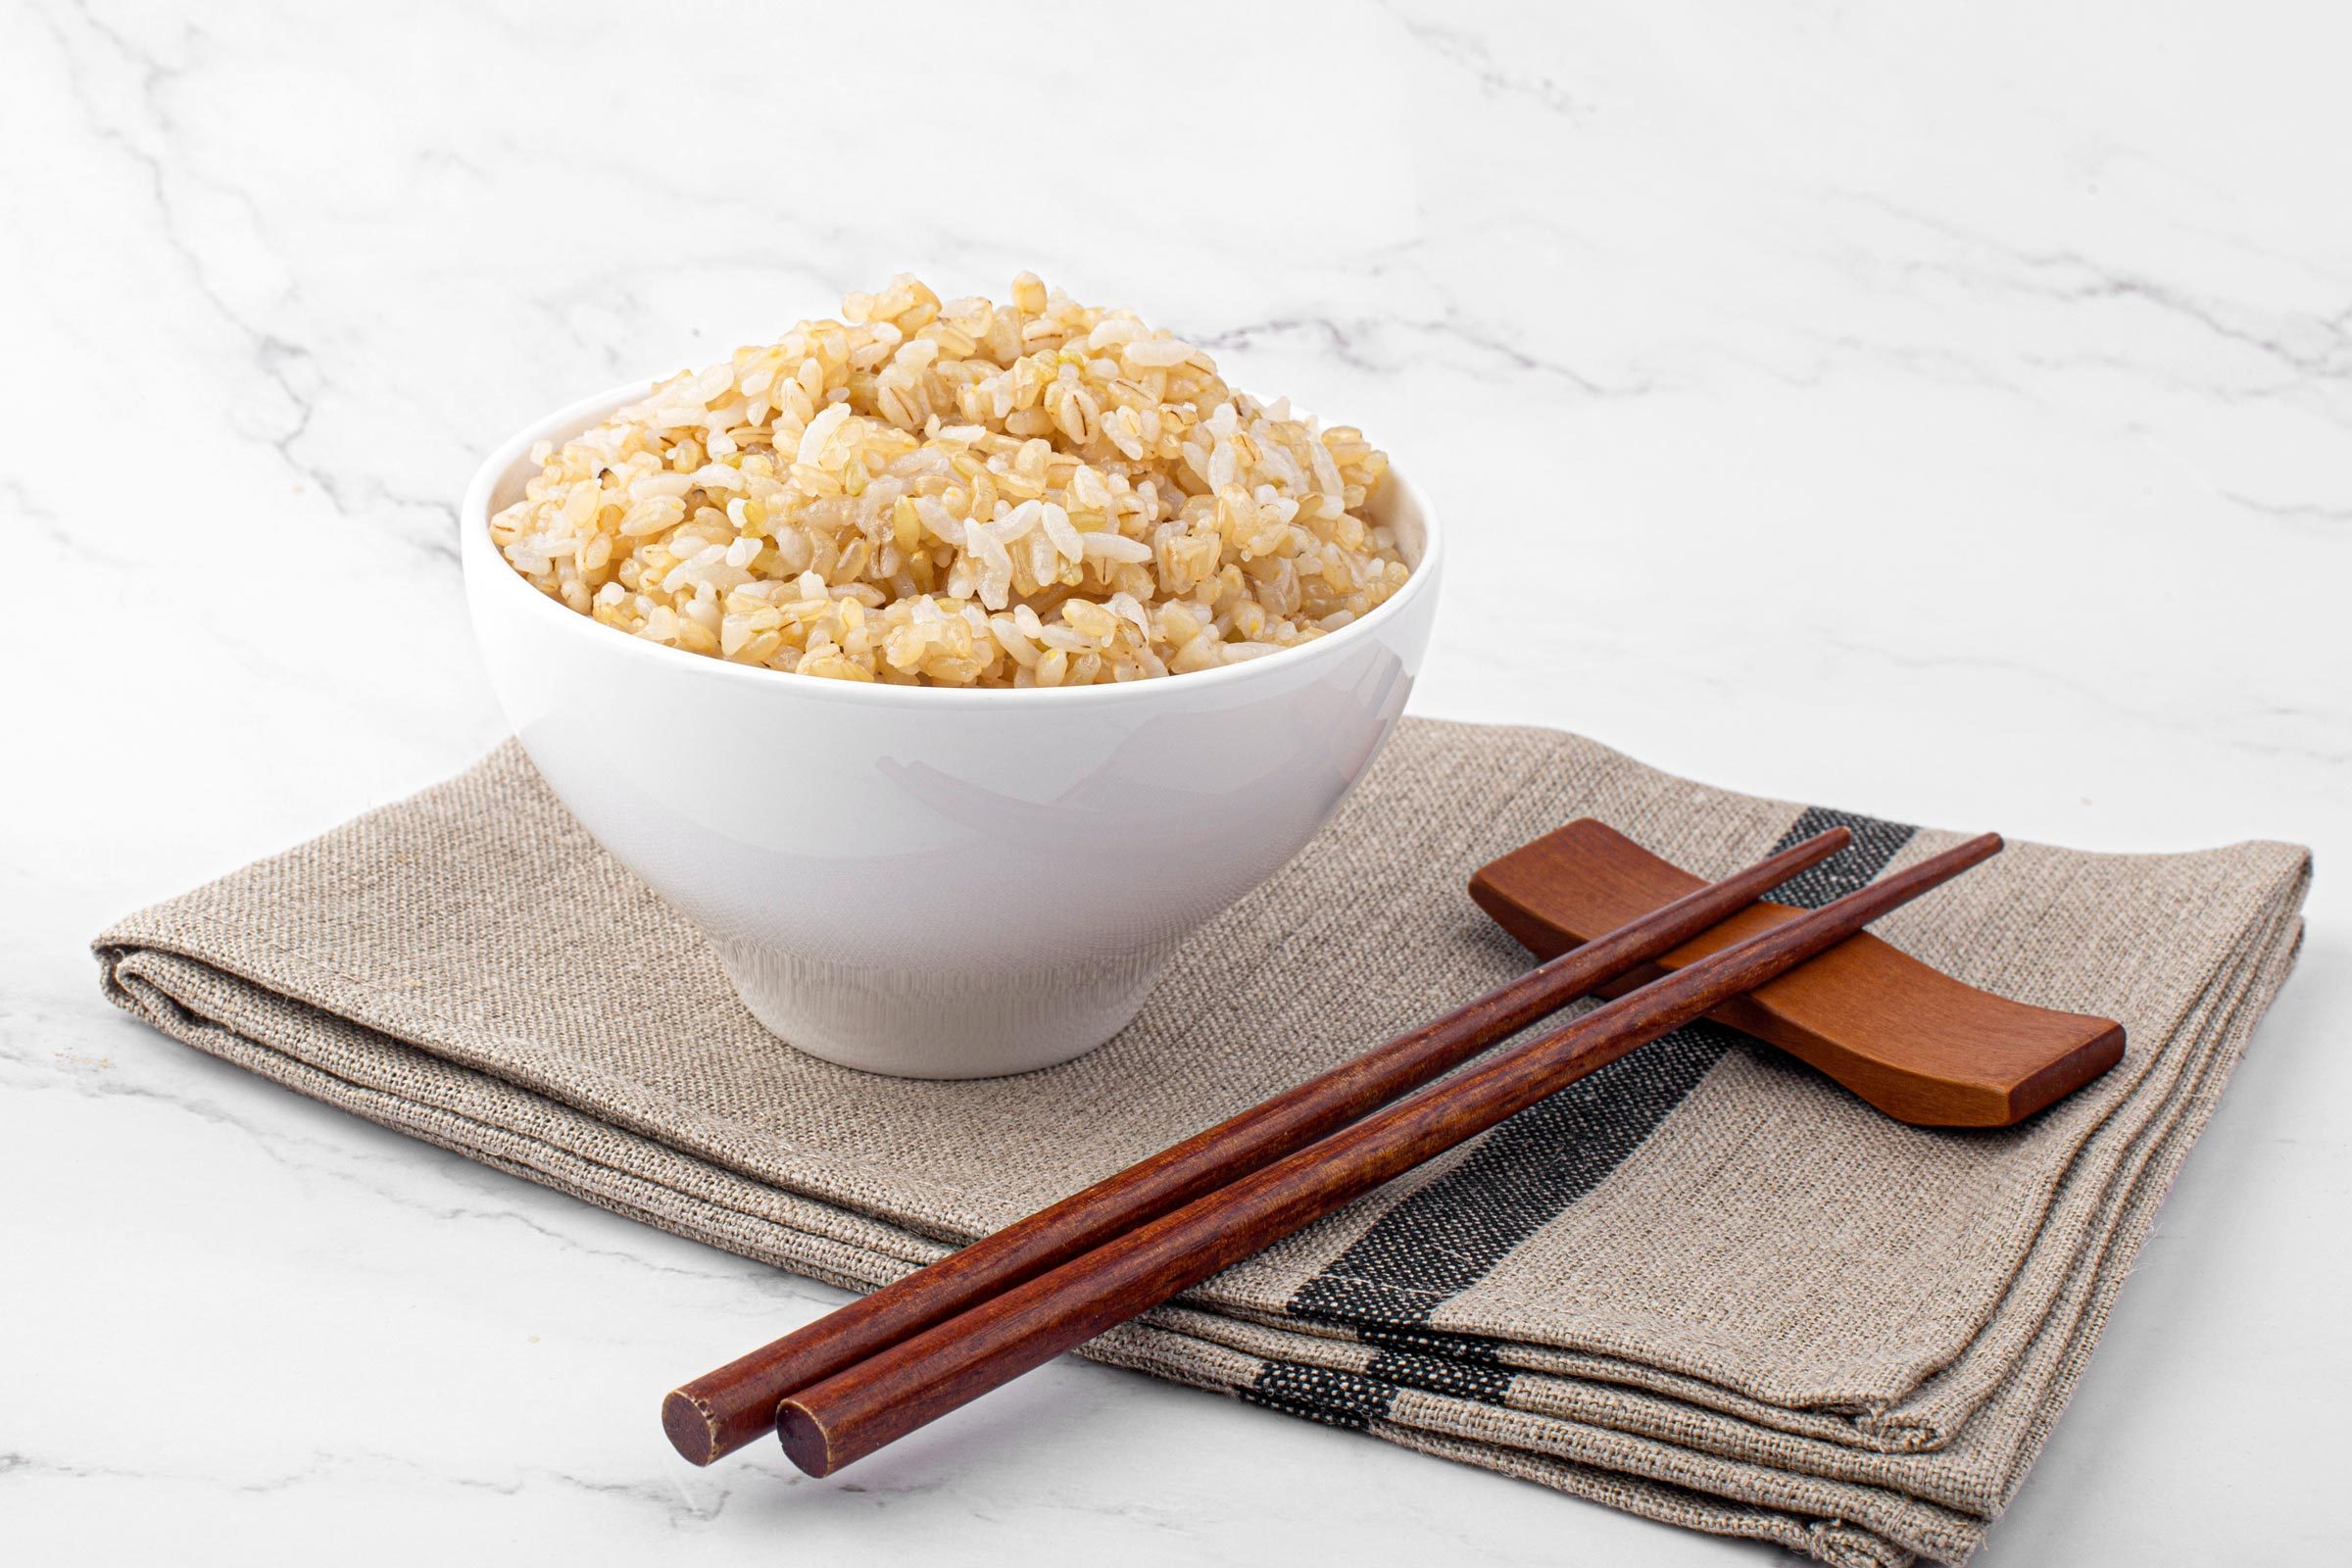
<point x="961" y="493"/>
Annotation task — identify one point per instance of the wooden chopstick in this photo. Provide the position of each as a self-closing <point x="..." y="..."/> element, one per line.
<point x="852" y="1413"/>
<point x="722" y="1410"/>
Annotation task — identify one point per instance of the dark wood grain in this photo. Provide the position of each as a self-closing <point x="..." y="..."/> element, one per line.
<point x="722" y="1410"/>
<point x="846" y="1416"/>
<point x="1918" y="1045"/>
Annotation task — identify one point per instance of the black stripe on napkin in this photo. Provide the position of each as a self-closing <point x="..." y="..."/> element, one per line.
<point x="1436" y="1242"/>
<point x="1319" y="1393"/>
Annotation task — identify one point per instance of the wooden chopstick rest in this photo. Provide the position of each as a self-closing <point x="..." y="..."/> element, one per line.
<point x="852" y="1413"/>
<point x="722" y="1410"/>
<point x="1918" y="1045"/>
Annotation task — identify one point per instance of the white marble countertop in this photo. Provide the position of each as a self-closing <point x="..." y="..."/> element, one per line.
<point x="1942" y="417"/>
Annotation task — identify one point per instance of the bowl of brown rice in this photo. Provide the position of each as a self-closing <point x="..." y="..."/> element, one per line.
<point x="948" y="662"/>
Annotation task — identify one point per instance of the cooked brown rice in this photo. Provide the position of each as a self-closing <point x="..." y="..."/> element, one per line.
<point x="1034" y="494"/>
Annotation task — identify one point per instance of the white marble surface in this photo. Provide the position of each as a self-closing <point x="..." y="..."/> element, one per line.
<point x="1941" y="413"/>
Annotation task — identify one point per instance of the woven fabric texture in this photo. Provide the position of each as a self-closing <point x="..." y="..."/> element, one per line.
<point x="1705" y="1285"/>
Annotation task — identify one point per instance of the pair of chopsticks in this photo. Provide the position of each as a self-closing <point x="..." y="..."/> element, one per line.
<point x="870" y="1373"/>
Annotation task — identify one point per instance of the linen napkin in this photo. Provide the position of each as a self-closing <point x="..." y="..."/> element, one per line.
<point x="1705" y="1285"/>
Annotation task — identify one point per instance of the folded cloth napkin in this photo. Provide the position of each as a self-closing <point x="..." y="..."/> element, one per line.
<point x="1705" y="1283"/>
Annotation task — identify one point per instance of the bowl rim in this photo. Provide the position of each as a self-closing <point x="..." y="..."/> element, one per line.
<point x="483" y="564"/>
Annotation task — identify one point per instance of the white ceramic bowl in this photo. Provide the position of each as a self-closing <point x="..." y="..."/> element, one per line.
<point x="920" y="880"/>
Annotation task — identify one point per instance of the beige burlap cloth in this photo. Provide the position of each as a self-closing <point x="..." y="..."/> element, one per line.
<point x="1705" y="1285"/>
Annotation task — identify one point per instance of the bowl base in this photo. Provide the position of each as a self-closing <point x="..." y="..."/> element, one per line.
<point x="940" y="1024"/>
